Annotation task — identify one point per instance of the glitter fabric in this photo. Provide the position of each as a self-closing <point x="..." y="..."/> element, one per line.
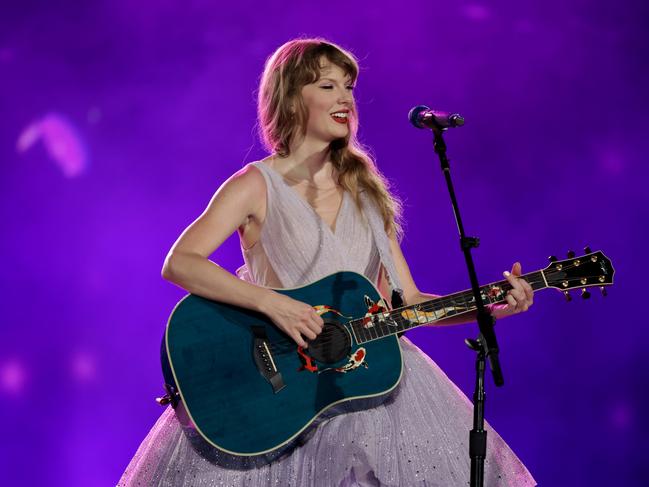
<point x="417" y="437"/>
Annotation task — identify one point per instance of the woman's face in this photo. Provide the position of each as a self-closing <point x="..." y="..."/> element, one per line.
<point x="330" y="103"/>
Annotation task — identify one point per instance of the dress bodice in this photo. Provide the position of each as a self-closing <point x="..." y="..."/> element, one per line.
<point x="297" y="247"/>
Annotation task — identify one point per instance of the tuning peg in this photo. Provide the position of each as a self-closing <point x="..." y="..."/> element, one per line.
<point x="571" y="254"/>
<point x="552" y="258"/>
<point x="567" y="295"/>
<point x="603" y="290"/>
<point x="587" y="250"/>
<point x="584" y="293"/>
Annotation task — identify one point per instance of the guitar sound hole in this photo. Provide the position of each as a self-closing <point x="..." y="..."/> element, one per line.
<point x="332" y="344"/>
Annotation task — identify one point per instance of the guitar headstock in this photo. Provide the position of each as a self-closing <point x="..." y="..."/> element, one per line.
<point x="589" y="270"/>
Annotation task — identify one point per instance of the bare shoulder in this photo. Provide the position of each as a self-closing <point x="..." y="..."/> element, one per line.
<point x="245" y="188"/>
<point x="248" y="187"/>
<point x="247" y="179"/>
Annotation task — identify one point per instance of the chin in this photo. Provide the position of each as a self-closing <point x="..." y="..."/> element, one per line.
<point x="329" y="135"/>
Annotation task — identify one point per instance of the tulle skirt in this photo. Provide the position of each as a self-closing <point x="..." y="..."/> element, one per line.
<point x="417" y="437"/>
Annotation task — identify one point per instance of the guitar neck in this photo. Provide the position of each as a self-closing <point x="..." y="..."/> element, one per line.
<point x="408" y="317"/>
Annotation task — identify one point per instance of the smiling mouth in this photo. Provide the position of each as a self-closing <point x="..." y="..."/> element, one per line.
<point x="341" y="117"/>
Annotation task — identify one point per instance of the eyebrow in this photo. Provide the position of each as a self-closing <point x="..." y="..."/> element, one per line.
<point x="347" y="79"/>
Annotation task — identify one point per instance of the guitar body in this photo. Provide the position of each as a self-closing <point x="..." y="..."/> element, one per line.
<point x="250" y="390"/>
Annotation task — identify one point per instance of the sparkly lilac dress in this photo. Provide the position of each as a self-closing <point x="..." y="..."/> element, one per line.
<point x="417" y="437"/>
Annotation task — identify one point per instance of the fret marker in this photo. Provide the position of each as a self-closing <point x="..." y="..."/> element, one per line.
<point x="424" y="317"/>
<point x="495" y="292"/>
<point x="376" y="313"/>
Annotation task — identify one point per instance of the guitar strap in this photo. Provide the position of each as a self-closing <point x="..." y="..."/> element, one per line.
<point x="382" y="241"/>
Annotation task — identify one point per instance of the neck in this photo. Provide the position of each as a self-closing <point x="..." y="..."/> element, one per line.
<point x="308" y="160"/>
<point x="402" y="319"/>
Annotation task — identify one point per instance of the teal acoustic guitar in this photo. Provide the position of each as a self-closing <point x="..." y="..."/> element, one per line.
<point x="250" y="390"/>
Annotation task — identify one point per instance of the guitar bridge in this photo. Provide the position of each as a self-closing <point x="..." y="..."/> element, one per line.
<point x="264" y="359"/>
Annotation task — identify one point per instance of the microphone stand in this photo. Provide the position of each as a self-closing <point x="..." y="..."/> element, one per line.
<point x="485" y="345"/>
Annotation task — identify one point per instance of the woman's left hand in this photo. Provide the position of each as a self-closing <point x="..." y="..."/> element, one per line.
<point x="519" y="298"/>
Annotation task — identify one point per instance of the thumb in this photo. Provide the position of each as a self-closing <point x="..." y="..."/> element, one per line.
<point x="516" y="269"/>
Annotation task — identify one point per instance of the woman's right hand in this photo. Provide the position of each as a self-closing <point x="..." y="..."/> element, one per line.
<point x="295" y="318"/>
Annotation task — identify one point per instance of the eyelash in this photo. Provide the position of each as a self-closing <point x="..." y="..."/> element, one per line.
<point x="327" y="87"/>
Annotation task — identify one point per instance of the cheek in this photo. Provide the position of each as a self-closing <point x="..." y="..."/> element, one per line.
<point x="318" y="112"/>
<point x="318" y="102"/>
<point x="321" y="106"/>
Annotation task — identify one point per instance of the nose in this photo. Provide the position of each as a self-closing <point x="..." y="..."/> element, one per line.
<point x="345" y="98"/>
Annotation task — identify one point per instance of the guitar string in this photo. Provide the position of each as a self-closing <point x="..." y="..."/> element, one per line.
<point x="505" y="285"/>
<point x="445" y="301"/>
<point x="326" y="337"/>
<point x="441" y="302"/>
<point x="456" y="299"/>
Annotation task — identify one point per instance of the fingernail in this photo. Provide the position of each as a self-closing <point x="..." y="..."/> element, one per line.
<point x="506" y="273"/>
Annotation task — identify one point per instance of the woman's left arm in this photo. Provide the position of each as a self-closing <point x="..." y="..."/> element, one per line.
<point x="519" y="298"/>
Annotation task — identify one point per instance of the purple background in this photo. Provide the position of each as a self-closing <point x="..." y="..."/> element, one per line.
<point x="120" y="119"/>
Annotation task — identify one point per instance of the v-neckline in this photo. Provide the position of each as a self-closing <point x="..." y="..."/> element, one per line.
<point x="336" y="222"/>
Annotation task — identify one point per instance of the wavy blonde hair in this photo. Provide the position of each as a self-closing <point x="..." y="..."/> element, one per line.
<point x="282" y="113"/>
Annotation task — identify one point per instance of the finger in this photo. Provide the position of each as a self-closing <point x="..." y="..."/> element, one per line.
<point x="298" y="339"/>
<point x="529" y="292"/>
<point x="526" y="285"/>
<point x="310" y="314"/>
<point x="517" y="268"/>
<point x="529" y="287"/>
<point x="511" y="301"/>
<point x="523" y="288"/>
<point x="320" y="324"/>
<point x="314" y="327"/>
<point x="519" y="295"/>
<point x="308" y="317"/>
<point x="315" y="322"/>
<point x="308" y="333"/>
<point x="317" y="319"/>
<point x="518" y="289"/>
<point x="513" y="280"/>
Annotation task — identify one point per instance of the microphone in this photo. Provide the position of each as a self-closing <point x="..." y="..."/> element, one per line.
<point x="421" y="116"/>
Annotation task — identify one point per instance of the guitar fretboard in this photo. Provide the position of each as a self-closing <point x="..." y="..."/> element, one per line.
<point x="406" y="318"/>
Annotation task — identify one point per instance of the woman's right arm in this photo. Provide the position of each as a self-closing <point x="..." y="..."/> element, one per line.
<point x="187" y="264"/>
<point x="240" y="199"/>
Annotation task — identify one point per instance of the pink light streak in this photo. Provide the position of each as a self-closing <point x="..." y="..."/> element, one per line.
<point x="62" y="142"/>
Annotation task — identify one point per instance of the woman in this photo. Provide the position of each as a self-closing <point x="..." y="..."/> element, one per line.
<point x="318" y="205"/>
